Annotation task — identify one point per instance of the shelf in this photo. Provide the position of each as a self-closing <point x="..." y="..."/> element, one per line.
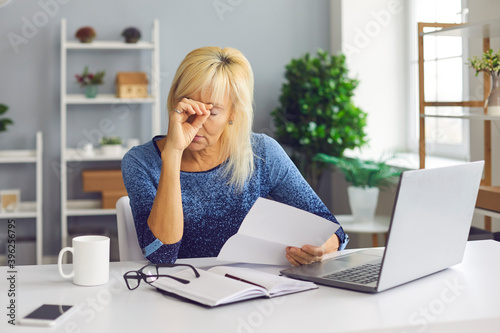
<point x="109" y="45"/>
<point x="485" y="212"/>
<point x="486" y="29"/>
<point x="471" y="116"/>
<point x="17" y="156"/>
<point x="87" y="208"/>
<point x="27" y="209"/>
<point x="470" y="104"/>
<point x="70" y="47"/>
<point x="106" y="99"/>
<point x="79" y="155"/>
<point x="488" y="200"/>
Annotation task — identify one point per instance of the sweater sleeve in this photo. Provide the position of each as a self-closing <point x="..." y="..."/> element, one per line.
<point x="289" y="187"/>
<point x="139" y="180"/>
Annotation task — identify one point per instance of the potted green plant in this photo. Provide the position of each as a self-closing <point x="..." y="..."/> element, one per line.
<point x="111" y="146"/>
<point x="316" y="114"/>
<point x="490" y="63"/>
<point x="4" y="122"/>
<point x="367" y="177"/>
<point x="90" y="81"/>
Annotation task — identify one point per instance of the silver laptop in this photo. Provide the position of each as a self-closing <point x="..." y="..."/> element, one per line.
<point x="429" y="227"/>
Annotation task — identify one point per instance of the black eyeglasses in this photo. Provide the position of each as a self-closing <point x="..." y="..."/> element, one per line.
<point x="151" y="273"/>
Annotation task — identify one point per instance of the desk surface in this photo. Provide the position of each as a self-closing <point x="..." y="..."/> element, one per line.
<point x="464" y="298"/>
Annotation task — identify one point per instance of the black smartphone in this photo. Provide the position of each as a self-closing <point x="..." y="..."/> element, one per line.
<point x="47" y="315"/>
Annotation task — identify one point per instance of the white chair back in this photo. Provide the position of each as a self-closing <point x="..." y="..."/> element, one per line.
<point x="128" y="244"/>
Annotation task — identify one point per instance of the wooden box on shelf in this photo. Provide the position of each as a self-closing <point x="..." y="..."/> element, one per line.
<point x="108" y="182"/>
<point x="109" y="198"/>
<point x="131" y="85"/>
<point x="489" y="198"/>
<point x="9" y="201"/>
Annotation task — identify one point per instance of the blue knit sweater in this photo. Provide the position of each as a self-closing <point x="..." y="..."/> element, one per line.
<point x="213" y="210"/>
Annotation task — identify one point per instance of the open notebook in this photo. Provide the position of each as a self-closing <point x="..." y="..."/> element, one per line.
<point x="226" y="284"/>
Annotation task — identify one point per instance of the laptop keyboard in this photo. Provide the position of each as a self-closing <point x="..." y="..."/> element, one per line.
<point x="363" y="274"/>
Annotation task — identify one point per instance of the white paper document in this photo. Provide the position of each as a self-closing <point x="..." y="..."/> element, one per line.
<point x="269" y="228"/>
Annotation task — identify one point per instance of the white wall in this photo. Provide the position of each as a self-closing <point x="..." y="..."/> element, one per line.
<point x="374" y="42"/>
<point x="372" y="35"/>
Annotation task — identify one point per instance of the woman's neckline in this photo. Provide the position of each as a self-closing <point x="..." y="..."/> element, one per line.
<point x="158" y="151"/>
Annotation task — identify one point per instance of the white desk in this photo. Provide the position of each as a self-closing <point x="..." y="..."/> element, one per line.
<point x="379" y="225"/>
<point x="432" y="303"/>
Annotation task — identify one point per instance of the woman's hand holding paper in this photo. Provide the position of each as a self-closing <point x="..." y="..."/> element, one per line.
<point x="308" y="254"/>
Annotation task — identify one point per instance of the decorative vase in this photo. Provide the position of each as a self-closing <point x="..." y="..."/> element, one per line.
<point x="494" y="98"/>
<point x="363" y="202"/>
<point x="91" y="91"/>
<point x="111" y="150"/>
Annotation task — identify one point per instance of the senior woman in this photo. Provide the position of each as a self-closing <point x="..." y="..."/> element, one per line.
<point x="191" y="189"/>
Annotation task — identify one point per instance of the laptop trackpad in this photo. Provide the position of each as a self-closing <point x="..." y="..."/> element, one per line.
<point x="339" y="263"/>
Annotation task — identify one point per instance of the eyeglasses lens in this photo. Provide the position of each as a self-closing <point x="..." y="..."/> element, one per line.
<point x="133" y="279"/>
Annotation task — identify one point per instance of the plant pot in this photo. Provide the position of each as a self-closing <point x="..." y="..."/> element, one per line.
<point x="131" y="40"/>
<point x="111" y="150"/>
<point x="91" y="91"/>
<point x="363" y="202"/>
<point x="494" y="97"/>
<point x="86" y="40"/>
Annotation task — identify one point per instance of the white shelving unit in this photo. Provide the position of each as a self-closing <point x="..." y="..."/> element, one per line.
<point x="71" y="154"/>
<point x="29" y="209"/>
<point x="481" y="30"/>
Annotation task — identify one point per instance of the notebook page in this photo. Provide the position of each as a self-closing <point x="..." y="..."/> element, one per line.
<point x="209" y="289"/>
<point x="276" y="285"/>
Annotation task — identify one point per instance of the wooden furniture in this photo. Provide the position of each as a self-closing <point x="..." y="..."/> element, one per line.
<point x="463" y="298"/>
<point x="131" y="85"/>
<point x="30" y="209"/>
<point x="108" y="182"/>
<point x="488" y="202"/>
<point x="73" y="155"/>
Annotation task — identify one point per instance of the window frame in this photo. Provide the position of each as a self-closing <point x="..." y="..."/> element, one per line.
<point x="453" y="151"/>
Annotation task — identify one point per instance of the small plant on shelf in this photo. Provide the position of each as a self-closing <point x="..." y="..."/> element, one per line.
<point x="489" y="63"/>
<point x="111" y="140"/>
<point x="131" y="34"/>
<point x="111" y="146"/>
<point x="90" y="81"/>
<point x="85" y="34"/>
<point x="4" y="122"/>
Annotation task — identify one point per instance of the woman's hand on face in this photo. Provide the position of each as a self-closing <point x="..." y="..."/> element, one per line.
<point x="183" y="126"/>
<point x="307" y="254"/>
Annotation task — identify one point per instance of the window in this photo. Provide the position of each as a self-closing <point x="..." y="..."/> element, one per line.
<point x="445" y="75"/>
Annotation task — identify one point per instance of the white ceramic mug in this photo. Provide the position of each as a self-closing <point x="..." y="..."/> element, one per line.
<point x="90" y="260"/>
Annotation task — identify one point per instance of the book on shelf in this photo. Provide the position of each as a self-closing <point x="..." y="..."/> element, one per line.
<point x="227" y="284"/>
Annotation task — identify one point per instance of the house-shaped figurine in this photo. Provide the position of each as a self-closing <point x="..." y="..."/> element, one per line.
<point x="131" y="85"/>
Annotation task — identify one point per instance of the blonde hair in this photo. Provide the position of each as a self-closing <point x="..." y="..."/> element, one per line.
<point x="220" y="73"/>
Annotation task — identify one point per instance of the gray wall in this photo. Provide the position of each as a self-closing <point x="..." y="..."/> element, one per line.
<point x="269" y="33"/>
